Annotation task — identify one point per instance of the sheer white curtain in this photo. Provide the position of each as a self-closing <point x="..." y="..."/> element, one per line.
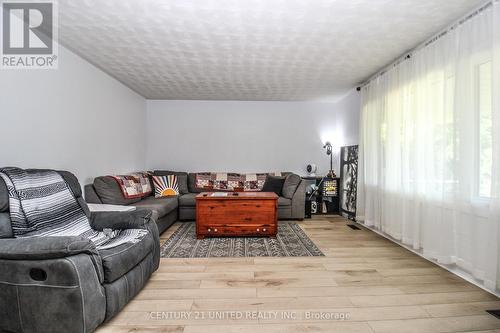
<point x="429" y="162"/>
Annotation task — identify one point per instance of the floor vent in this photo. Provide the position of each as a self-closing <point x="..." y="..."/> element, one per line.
<point x="495" y="313"/>
<point x="353" y="227"/>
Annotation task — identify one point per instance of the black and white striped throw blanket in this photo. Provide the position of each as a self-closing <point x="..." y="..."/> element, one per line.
<point x="42" y="204"/>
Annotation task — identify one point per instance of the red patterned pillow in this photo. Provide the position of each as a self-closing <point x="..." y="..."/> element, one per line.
<point x="212" y="181"/>
<point x="135" y="185"/>
<point x="204" y="181"/>
<point x="253" y="182"/>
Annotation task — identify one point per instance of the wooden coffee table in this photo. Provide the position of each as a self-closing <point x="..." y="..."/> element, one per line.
<point x="236" y="214"/>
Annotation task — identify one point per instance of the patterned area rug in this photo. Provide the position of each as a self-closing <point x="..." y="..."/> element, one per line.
<point x="291" y="241"/>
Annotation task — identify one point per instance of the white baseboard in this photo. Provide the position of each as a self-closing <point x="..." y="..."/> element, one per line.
<point x="452" y="269"/>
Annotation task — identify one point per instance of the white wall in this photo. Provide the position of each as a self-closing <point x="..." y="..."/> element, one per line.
<point x="248" y="136"/>
<point x="78" y="118"/>
<point x="75" y="118"/>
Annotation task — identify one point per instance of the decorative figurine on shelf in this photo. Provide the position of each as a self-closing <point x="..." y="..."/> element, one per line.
<point x="314" y="207"/>
<point x="329" y="151"/>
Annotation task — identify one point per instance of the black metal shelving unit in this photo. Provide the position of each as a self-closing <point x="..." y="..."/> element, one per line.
<point x="325" y="197"/>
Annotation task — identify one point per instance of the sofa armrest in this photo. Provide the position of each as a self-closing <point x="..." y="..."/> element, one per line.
<point x="137" y="219"/>
<point x="91" y="195"/>
<point x="42" y="248"/>
<point x="299" y="201"/>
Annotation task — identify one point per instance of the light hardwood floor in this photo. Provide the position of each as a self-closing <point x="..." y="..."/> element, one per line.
<point x="364" y="283"/>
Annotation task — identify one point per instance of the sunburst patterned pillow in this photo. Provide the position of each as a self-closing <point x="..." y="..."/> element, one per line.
<point x="165" y="186"/>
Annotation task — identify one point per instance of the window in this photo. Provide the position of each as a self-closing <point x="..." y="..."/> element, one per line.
<point x="485" y="122"/>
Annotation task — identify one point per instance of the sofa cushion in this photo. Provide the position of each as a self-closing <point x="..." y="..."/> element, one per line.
<point x="162" y="206"/>
<point x="5" y="226"/>
<point x="187" y="200"/>
<point x="4" y="197"/>
<point x="72" y="182"/>
<point x="110" y="192"/>
<point x="187" y="213"/>
<point x="284" y="202"/>
<point x="182" y="179"/>
<point x="91" y="195"/>
<point x="292" y="181"/>
<point x="119" y="260"/>
<point x="68" y="177"/>
<point x="274" y="184"/>
<point x="121" y="291"/>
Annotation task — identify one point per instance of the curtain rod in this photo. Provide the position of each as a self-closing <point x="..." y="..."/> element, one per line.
<point x="408" y="54"/>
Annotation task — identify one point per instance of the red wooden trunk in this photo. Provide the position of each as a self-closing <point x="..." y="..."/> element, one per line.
<point x="241" y="214"/>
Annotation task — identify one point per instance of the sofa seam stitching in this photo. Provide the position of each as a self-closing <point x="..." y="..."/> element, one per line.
<point x="81" y="292"/>
<point x="97" y="276"/>
<point x="19" y="309"/>
<point x="37" y="285"/>
<point x="70" y="252"/>
<point x="126" y="284"/>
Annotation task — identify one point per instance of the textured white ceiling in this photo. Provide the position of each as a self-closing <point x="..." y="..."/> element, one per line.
<point x="249" y="49"/>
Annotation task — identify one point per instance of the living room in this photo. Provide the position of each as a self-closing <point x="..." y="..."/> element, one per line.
<point x="234" y="166"/>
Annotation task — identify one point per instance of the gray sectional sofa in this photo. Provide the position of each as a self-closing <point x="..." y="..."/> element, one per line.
<point x="106" y="190"/>
<point x="65" y="284"/>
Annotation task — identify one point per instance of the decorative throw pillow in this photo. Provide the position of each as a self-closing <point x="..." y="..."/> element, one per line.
<point x="253" y="182"/>
<point x="204" y="181"/>
<point x="274" y="184"/>
<point x="212" y="181"/>
<point x="182" y="179"/>
<point x="135" y="185"/>
<point x="166" y="186"/>
<point x="292" y="181"/>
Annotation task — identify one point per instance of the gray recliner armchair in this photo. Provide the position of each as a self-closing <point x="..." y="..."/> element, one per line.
<point x="64" y="284"/>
